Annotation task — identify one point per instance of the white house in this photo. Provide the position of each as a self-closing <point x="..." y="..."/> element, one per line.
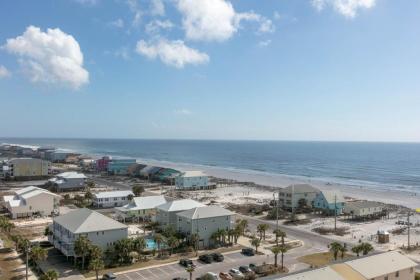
<point x="99" y="229"/>
<point x="166" y="213"/>
<point x="69" y="181"/>
<point x="31" y="201"/>
<point x="362" y="208"/>
<point x="141" y="207"/>
<point x="204" y="221"/>
<point x="111" y="199"/>
<point x="295" y="196"/>
<point x="192" y="180"/>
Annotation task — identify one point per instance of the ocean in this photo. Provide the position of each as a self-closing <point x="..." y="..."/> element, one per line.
<point x="391" y="165"/>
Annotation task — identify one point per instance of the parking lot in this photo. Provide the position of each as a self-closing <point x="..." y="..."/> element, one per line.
<point x="175" y="270"/>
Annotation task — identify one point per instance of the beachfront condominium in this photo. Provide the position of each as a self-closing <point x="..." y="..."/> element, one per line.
<point x="68" y="181"/>
<point x="204" y="221"/>
<point x="297" y="196"/>
<point x="99" y="229"/>
<point x="27" y="168"/>
<point x="328" y="200"/>
<point x="143" y="207"/>
<point x="120" y="166"/>
<point x="192" y="180"/>
<point x="363" y="209"/>
<point x="111" y="199"/>
<point x="166" y="213"/>
<point x="31" y="201"/>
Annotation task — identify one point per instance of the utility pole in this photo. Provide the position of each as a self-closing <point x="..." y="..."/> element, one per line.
<point x="335" y="213"/>
<point x="276" y="201"/>
<point x="408" y="227"/>
<point x="27" y="258"/>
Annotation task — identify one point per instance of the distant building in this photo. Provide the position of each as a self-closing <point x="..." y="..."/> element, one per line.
<point x="297" y="196"/>
<point x="167" y="175"/>
<point x="31" y="201"/>
<point x="363" y="209"/>
<point x="111" y="199"/>
<point x="166" y="213"/>
<point x="134" y="169"/>
<point x="28" y="167"/>
<point x="69" y="181"/>
<point x="149" y="171"/>
<point x="204" y="221"/>
<point x="384" y="266"/>
<point x="143" y="207"/>
<point x="99" y="229"/>
<point x="329" y="200"/>
<point x="102" y="164"/>
<point x="56" y="155"/>
<point x="192" y="180"/>
<point x="120" y="166"/>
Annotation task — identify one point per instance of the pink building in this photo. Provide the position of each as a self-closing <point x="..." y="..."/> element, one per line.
<point x="102" y="164"/>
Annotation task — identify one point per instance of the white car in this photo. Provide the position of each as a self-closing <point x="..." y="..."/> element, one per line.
<point x="236" y="274"/>
<point x="211" y="275"/>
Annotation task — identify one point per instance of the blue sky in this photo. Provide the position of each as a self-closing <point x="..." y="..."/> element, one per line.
<point x="211" y="69"/>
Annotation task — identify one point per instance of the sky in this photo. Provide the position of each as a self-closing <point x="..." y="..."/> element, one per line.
<point x="332" y="70"/>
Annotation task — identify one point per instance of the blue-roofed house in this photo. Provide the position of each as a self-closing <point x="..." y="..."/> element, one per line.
<point x="329" y="200"/>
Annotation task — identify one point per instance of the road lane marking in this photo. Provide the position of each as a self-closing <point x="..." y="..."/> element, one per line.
<point x="141" y="275"/>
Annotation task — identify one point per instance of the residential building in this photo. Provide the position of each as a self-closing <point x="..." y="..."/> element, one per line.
<point x="102" y="164"/>
<point x="149" y="171"/>
<point x="120" y="166"/>
<point x="69" y="181"/>
<point x="166" y="213"/>
<point x="31" y="201"/>
<point x="383" y="266"/>
<point x="329" y="200"/>
<point x="99" y="229"/>
<point x="111" y="199"/>
<point x="192" y="180"/>
<point x="358" y="209"/>
<point x="297" y="196"/>
<point x="134" y="169"/>
<point x="143" y="207"/>
<point x="167" y="175"/>
<point x="56" y="155"/>
<point x="204" y="221"/>
<point x="28" y="168"/>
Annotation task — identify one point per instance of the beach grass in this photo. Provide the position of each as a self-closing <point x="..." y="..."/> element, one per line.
<point x="321" y="259"/>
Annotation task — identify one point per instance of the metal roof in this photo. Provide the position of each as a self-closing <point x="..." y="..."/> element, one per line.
<point x="325" y="273"/>
<point x="205" y="212"/>
<point x="332" y="196"/>
<point x="85" y="220"/>
<point x="71" y="175"/>
<point x="193" y="174"/>
<point x="363" y="204"/>
<point x="113" y="194"/>
<point x="180" y="205"/>
<point x="299" y="188"/>
<point x="143" y="203"/>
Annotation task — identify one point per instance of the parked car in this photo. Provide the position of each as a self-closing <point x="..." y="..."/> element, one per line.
<point x="179" y="278"/>
<point x="207" y="258"/>
<point x="217" y="257"/>
<point x="225" y="276"/>
<point x="252" y="266"/>
<point x="186" y="262"/>
<point x="210" y="275"/>
<point x="109" y="276"/>
<point x="245" y="269"/>
<point x="248" y="252"/>
<point x="236" y="274"/>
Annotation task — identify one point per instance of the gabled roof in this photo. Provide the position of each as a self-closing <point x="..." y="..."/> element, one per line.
<point x="332" y="196"/>
<point x="143" y="203"/>
<point x="325" y="273"/>
<point x="180" y="205"/>
<point x="113" y="194"/>
<point x="85" y="220"/>
<point x="71" y="175"/>
<point x="205" y="212"/>
<point x="32" y="191"/>
<point x="25" y="190"/>
<point x="187" y="174"/>
<point x="300" y="188"/>
<point x="381" y="264"/>
<point x="363" y="204"/>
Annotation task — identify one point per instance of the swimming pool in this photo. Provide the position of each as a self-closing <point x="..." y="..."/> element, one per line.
<point x="151" y="244"/>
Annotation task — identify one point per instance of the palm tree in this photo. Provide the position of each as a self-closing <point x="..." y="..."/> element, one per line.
<point x="82" y="248"/>
<point x="159" y="239"/>
<point x="88" y="195"/>
<point x="357" y="250"/>
<point x="173" y="242"/>
<point x="276" y="251"/>
<point x="256" y="243"/>
<point x="138" y="190"/>
<point x="130" y="197"/>
<point x="366" y="248"/>
<point x="96" y="264"/>
<point x="190" y="270"/>
<point x="38" y="254"/>
<point x="236" y="234"/>
<point x="17" y="239"/>
<point x="95" y="252"/>
<point x="194" y="242"/>
<point x="335" y="247"/>
<point x="279" y="234"/>
<point x="25" y="246"/>
<point x="51" y="274"/>
<point x="123" y="248"/>
<point x="215" y="236"/>
<point x="48" y="231"/>
<point x="231" y="234"/>
<point x="262" y="228"/>
<point x="283" y="250"/>
<point x="343" y="250"/>
<point x="139" y="243"/>
<point x="223" y="235"/>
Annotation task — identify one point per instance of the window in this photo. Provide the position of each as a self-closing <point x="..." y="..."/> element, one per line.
<point x="397" y="274"/>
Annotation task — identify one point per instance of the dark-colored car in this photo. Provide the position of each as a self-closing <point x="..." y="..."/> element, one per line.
<point x="248" y="252"/>
<point x="179" y="278"/>
<point x="206" y="258"/>
<point x="245" y="269"/>
<point x="186" y="262"/>
<point x="252" y="266"/>
<point x="109" y="276"/>
<point x="217" y="257"/>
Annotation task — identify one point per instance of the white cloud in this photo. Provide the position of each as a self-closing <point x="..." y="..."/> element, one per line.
<point x="119" y="23"/>
<point x="134" y="7"/>
<point x="4" y="73"/>
<point x="156" y="25"/>
<point x="49" y="57"/>
<point x="264" y="43"/>
<point x="182" y="112"/>
<point x="215" y="20"/>
<point x="157" y="8"/>
<point x="348" y="8"/>
<point x="173" y="53"/>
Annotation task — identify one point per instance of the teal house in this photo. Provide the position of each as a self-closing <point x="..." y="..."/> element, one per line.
<point x="329" y="200"/>
<point x="120" y="166"/>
